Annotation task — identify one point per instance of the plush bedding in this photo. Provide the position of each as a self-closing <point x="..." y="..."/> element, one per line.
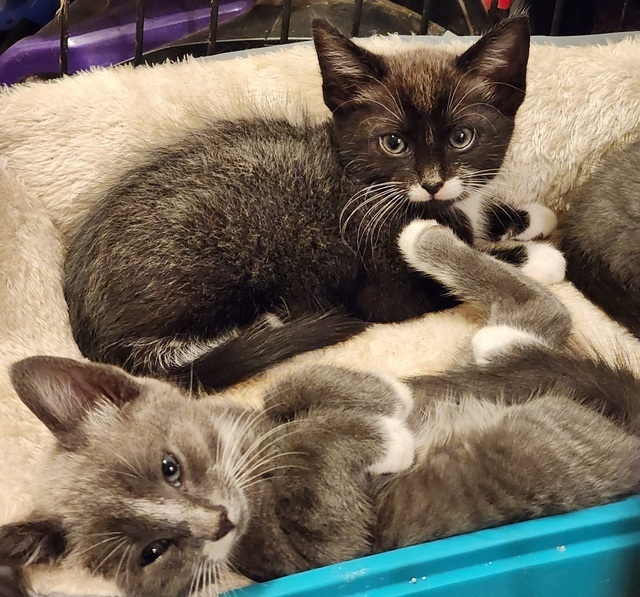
<point x="61" y="142"/>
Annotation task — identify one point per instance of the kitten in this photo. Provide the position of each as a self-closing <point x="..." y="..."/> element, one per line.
<point x="601" y="235"/>
<point x="241" y="221"/>
<point x="160" y="492"/>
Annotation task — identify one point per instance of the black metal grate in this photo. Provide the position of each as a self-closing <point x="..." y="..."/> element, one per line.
<point x="214" y="45"/>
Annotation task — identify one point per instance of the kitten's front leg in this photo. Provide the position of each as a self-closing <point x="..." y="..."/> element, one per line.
<point x="492" y="220"/>
<point x="379" y="404"/>
<point x="337" y="428"/>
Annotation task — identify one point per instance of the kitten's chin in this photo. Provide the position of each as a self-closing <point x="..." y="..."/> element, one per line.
<point x="451" y="190"/>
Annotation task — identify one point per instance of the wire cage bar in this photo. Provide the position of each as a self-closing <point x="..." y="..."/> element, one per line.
<point x="215" y="45"/>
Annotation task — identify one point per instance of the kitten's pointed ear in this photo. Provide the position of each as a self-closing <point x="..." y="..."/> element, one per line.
<point x="61" y="391"/>
<point x="36" y="541"/>
<point x="345" y="67"/>
<point x="501" y="57"/>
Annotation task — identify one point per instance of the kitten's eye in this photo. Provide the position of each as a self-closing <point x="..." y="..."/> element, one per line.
<point x="461" y="138"/>
<point x="171" y="469"/>
<point x="393" y="144"/>
<point x="153" y="551"/>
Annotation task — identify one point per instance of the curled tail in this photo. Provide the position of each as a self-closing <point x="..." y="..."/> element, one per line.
<point x="216" y="366"/>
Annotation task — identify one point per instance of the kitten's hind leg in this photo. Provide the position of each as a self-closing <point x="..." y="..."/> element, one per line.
<point x="521" y="310"/>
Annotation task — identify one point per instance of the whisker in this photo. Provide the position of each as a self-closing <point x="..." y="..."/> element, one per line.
<point x="257" y="447"/>
<point x="381" y="202"/>
<point x="255" y="470"/>
<point x="99" y="543"/>
<point x="120" y="544"/>
<point x="137" y="472"/>
<point x="251" y="481"/>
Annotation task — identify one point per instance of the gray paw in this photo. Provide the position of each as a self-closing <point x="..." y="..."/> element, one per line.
<point x="409" y="239"/>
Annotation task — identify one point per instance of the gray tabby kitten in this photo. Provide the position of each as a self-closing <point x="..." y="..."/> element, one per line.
<point x="601" y="236"/>
<point x="170" y="271"/>
<point x="160" y="492"/>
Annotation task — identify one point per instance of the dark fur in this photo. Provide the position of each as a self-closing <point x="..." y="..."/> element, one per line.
<point x="538" y="430"/>
<point x="601" y="235"/>
<point x="11" y="584"/>
<point x="243" y="218"/>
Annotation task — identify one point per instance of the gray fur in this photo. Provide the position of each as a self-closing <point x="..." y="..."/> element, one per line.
<point x="601" y="236"/>
<point x="535" y="431"/>
<point x="263" y="216"/>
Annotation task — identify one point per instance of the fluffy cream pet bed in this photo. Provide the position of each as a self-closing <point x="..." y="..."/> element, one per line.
<point x="62" y="141"/>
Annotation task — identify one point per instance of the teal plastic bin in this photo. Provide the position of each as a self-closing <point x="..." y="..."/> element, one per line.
<point x="592" y="553"/>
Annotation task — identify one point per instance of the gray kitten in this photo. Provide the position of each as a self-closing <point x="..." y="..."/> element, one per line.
<point x="171" y="269"/>
<point x="601" y="236"/>
<point x="161" y="492"/>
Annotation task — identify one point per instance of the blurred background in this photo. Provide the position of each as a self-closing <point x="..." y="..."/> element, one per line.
<point x="41" y="39"/>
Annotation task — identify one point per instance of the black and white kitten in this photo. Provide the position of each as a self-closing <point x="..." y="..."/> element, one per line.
<point x="158" y="491"/>
<point x="171" y="270"/>
<point x="601" y="236"/>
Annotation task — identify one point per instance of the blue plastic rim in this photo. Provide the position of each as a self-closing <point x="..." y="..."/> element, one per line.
<point x="591" y="553"/>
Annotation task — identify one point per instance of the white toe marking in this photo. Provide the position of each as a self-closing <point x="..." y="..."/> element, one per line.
<point x="418" y="194"/>
<point x="493" y="340"/>
<point x="409" y="237"/>
<point x="542" y="222"/>
<point x="545" y="264"/>
<point x="451" y="189"/>
<point x="400" y="448"/>
<point x="403" y="393"/>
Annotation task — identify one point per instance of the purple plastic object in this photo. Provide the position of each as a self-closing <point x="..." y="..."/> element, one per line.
<point x="109" y="37"/>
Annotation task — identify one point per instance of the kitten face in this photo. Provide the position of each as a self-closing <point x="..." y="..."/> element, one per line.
<point x="146" y="492"/>
<point x="166" y="499"/>
<point x="423" y="125"/>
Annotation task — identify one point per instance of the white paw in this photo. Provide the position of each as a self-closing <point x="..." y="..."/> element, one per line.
<point x="490" y="341"/>
<point x="542" y="222"/>
<point x="400" y="445"/>
<point x="409" y="237"/>
<point x="545" y="264"/>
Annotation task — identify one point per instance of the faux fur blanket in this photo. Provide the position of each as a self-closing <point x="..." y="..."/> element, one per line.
<point x="61" y="142"/>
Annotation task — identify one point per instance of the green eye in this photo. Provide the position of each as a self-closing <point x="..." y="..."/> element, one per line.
<point x="461" y="137"/>
<point x="393" y="144"/>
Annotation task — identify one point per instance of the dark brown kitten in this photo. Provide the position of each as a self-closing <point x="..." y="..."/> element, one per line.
<point x="171" y="270"/>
